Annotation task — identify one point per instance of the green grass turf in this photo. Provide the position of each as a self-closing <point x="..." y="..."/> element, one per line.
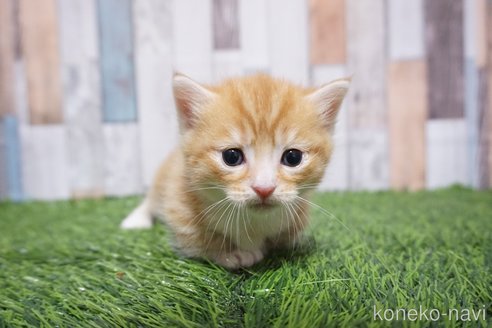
<point x="68" y="264"/>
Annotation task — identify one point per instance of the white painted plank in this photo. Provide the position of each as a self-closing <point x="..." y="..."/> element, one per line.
<point x="226" y="64"/>
<point x="44" y="162"/>
<point x="368" y="154"/>
<point x="368" y="157"/>
<point x="406" y="29"/>
<point x="254" y="35"/>
<point x="82" y="98"/>
<point x="470" y="28"/>
<point x="367" y="63"/>
<point x="122" y="175"/>
<point x="157" y="120"/>
<point x="336" y="175"/>
<point x="446" y="153"/>
<point x="192" y="35"/>
<point x="288" y="40"/>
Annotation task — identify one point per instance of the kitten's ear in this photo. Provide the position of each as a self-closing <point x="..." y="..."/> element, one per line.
<point x="328" y="99"/>
<point x="190" y="98"/>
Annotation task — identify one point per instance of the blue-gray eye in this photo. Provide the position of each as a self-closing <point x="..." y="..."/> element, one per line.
<point x="233" y="156"/>
<point x="291" y="157"/>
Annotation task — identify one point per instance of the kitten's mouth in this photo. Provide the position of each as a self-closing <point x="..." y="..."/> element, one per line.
<point x="263" y="205"/>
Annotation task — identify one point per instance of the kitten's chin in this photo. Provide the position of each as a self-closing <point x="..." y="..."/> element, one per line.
<point x="264" y="206"/>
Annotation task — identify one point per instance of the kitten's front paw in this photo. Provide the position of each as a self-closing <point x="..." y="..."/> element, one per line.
<point x="239" y="259"/>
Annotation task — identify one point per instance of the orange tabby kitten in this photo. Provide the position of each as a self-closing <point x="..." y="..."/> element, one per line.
<point x="251" y="152"/>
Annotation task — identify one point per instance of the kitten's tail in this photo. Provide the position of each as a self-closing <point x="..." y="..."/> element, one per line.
<point x="139" y="218"/>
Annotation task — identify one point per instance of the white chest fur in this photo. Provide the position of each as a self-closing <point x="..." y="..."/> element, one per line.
<point x="248" y="228"/>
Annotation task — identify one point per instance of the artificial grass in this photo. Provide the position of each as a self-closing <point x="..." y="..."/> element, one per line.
<point x="68" y="264"/>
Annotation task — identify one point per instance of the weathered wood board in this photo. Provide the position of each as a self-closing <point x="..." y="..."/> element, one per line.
<point x="192" y="35"/>
<point x="407" y="116"/>
<point x="40" y="50"/>
<point x="406" y="29"/>
<point x="226" y="24"/>
<point x="10" y="159"/>
<point x="368" y="136"/>
<point x="116" y="60"/>
<point x="157" y="124"/>
<point x="122" y="171"/>
<point x="336" y="176"/>
<point x="7" y="57"/>
<point x="328" y="31"/>
<point x="254" y="36"/>
<point x="288" y="40"/>
<point x="82" y="97"/>
<point x="44" y="162"/>
<point x="446" y="153"/>
<point x="445" y="58"/>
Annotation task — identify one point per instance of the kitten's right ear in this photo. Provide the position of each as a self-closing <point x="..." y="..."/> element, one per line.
<point x="190" y="99"/>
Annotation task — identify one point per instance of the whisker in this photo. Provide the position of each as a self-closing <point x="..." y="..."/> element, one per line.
<point x="324" y="211"/>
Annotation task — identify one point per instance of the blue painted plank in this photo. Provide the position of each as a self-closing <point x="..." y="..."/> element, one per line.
<point x="11" y="161"/>
<point x="117" y="68"/>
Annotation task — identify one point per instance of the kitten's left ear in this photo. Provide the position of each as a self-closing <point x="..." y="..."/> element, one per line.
<point x="328" y="99"/>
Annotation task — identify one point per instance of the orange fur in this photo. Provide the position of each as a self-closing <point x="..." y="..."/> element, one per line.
<point x="210" y="206"/>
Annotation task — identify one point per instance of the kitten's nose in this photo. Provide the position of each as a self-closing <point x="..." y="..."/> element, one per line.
<point x="263" y="192"/>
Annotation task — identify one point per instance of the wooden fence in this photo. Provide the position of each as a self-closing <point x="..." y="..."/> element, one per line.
<point x="85" y="86"/>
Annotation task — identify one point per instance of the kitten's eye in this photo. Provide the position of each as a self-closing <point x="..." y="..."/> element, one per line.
<point x="233" y="156"/>
<point x="291" y="157"/>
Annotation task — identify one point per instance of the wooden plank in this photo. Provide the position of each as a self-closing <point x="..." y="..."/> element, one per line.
<point x="116" y="47"/>
<point x="472" y="117"/>
<point x="10" y="161"/>
<point x="226" y="24"/>
<point x="445" y="58"/>
<point x="328" y="34"/>
<point x="446" y="153"/>
<point x="192" y="35"/>
<point x="470" y="25"/>
<point x="406" y="29"/>
<point x="407" y="115"/>
<point x="368" y="146"/>
<point x="254" y="35"/>
<point x="336" y="175"/>
<point x="7" y="57"/>
<point x="288" y="38"/>
<point x="482" y="18"/>
<point x="40" y="47"/>
<point x="368" y="159"/>
<point x="484" y="128"/>
<point x="367" y="61"/>
<point x="486" y="87"/>
<point x="82" y="105"/>
<point x="44" y="162"/>
<point x="158" y="128"/>
<point x="3" y="162"/>
<point x="122" y="173"/>
<point x="226" y="64"/>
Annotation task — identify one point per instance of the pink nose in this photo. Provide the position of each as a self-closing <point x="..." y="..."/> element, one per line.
<point x="263" y="192"/>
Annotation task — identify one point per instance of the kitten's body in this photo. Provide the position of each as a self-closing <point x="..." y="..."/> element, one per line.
<point x="233" y="214"/>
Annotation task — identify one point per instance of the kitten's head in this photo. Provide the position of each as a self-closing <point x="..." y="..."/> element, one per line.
<point x="257" y="140"/>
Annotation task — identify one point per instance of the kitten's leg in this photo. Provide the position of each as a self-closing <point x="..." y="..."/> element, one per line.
<point x="140" y="218"/>
<point x="214" y="247"/>
<point x="238" y="258"/>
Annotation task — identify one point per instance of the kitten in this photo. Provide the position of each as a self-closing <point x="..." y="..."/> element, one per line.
<point x="252" y="151"/>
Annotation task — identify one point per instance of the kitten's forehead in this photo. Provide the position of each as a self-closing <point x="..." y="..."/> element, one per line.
<point x="260" y="110"/>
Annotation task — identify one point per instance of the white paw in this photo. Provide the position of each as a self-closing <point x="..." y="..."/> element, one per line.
<point x="138" y="219"/>
<point x="239" y="258"/>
